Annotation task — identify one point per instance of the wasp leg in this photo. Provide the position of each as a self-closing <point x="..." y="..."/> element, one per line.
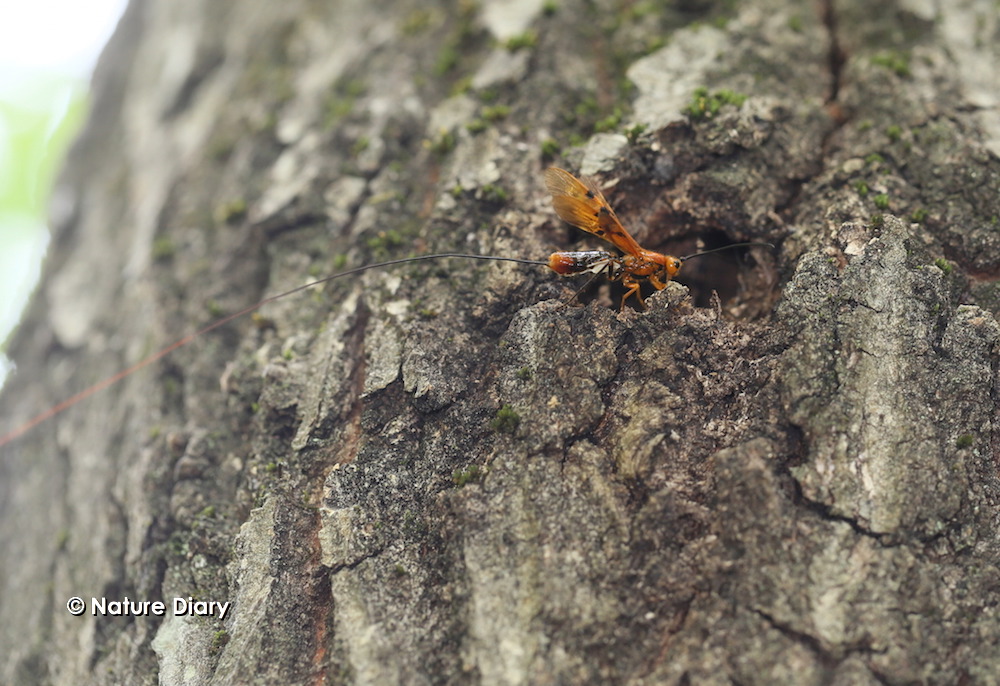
<point x="633" y="289"/>
<point x="657" y="284"/>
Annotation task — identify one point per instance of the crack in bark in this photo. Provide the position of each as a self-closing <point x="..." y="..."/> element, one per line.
<point x="811" y="642"/>
<point x="354" y="564"/>
<point x="814" y="644"/>
<point x="835" y="64"/>
<point x="836" y="56"/>
<point x="825" y="511"/>
<point x="352" y="422"/>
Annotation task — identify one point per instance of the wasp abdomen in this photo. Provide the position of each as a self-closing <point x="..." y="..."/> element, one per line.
<point x="584" y="261"/>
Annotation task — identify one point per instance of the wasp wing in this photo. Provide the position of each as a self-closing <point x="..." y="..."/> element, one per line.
<point x="582" y="204"/>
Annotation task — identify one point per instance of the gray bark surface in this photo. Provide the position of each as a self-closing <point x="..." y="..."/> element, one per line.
<point x="439" y="473"/>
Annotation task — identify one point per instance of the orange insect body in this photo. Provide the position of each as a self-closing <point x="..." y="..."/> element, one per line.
<point x="582" y="204"/>
<point x="587" y="261"/>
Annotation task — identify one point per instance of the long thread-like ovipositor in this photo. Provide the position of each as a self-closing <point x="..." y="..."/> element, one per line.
<point x="111" y="380"/>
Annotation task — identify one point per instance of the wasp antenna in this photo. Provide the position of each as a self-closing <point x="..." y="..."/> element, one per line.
<point x="100" y="386"/>
<point x="726" y="247"/>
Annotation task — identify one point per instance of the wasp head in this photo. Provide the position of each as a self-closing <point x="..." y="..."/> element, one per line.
<point x="667" y="266"/>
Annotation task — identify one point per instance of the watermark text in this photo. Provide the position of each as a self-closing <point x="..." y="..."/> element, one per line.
<point x="127" y="607"/>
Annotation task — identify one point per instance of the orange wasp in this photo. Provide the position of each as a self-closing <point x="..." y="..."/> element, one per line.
<point x="582" y="204"/>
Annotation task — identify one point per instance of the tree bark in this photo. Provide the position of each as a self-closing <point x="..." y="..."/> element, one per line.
<point x="783" y="471"/>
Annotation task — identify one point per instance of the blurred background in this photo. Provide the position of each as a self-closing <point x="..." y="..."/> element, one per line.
<point x="48" y="49"/>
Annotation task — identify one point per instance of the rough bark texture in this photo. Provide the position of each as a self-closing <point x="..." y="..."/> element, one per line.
<point x="440" y="474"/>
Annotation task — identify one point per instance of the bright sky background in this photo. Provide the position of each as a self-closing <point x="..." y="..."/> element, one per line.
<point x="48" y="49"/>
<point x="55" y="35"/>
